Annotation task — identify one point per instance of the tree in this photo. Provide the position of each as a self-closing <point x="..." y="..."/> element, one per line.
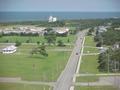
<point x="39" y="50"/>
<point x="50" y="37"/>
<point x="102" y="60"/>
<point x="1" y="35"/>
<point x="68" y="40"/>
<point x="109" y="61"/>
<point x="42" y="50"/>
<point x="99" y="44"/>
<point x="60" y="43"/>
<point x="18" y="43"/>
<point x="38" y="42"/>
<point x="90" y="31"/>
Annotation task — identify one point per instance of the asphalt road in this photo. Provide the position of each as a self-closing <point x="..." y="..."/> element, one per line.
<point x="64" y="81"/>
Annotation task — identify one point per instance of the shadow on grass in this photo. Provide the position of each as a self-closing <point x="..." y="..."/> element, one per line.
<point x="37" y="57"/>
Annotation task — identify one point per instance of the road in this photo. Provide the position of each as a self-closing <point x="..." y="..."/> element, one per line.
<point x="64" y="81"/>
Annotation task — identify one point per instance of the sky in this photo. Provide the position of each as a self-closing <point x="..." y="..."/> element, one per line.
<point x="61" y="5"/>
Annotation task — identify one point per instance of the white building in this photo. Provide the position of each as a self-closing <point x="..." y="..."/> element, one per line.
<point x="52" y="19"/>
<point x="62" y="30"/>
<point x="102" y="29"/>
<point x="9" y="49"/>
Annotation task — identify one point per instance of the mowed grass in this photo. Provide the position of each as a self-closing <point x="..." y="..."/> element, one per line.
<point x="36" y="67"/>
<point x="34" y="39"/>
<point x="90" y="50"/>
<point x="87" y="78"/>
<point x="95" y="88"/>
<point x="89" y="41"/>
<point x="11" y="86"/>
<point x="89" y="64"/>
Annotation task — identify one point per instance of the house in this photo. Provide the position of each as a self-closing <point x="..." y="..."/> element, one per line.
<point x="117" y="28"/>
<point x="116" y="45"/>
<point x="9" y="49"/>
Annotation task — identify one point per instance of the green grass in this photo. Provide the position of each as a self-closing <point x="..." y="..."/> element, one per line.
<point x="89" y="41"/>
<point x="89" y="64"/>
<point x="87" y="78"/>
<point x="23" y="39"/>
<point x="95" y="88"/>
<point x="8" y="86"/>
<point x="20" y="64"/>
<point x="90" y="50"/>
<point x="34" y="39"/>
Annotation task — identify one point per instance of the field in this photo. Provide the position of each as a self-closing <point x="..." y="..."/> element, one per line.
<point x="90" y="50"/>
<point x="89" y="64"/>
<point x="8" y="86"/>
<point x="35" y="67"/>
<point x="34" y="39"/>
<point x="89" y="41"/>
<point x="95" y="88"/>
<point x="87" y="79"/>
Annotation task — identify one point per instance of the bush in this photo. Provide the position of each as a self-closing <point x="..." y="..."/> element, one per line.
<point x="17" y="43"/>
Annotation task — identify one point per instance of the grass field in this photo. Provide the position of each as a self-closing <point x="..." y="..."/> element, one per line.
<point x="8" y="86"/>
<point x="89" y="41"/>
<point x="90" y="50"/>
<point x="87" y="79"/>
<point x="89" y="64"/>
<point x="34" y="39"/>
<point x="36" y="67"/>
<point x="95" y="88"/>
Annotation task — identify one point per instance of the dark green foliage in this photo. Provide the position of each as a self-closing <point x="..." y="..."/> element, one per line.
<point x="39" y="50"/>
<point x="111" y="37"/>
<point x="17" y="43"/>
<point x="99" y="44"/>
<point x="91" y="30"/>
<point x="50" y="36"/>
<point x="38" y="42"/>
<point x="68" y="40"/>
<point x="109" y="61"/>
<point x="102" y="60"/>
<point x="60" y="43"/>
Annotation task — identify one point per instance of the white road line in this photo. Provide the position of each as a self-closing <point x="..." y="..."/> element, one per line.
<point x="78" y="67"/>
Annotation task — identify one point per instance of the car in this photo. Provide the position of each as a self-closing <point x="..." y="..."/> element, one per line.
<point x="76" y="53"/>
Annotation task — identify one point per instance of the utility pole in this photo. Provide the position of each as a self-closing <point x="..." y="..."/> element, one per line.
<point x="108" y="57"/>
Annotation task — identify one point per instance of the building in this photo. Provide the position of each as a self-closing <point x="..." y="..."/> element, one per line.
<point x="61" y="31"/>
<point x="52" y="19"/>
<point x="102" y="29"/>
<point x="102" y="49"/>
<point x="116" y="46"/>
<point x="9" y="49"/>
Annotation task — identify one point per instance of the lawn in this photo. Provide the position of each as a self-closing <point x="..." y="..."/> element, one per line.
<point x="95" y="88"/>
<point x="89" y="64"/>
<point x="87" y="78"/>
<point x="90" y="50"/>
<point x="89" y="41"/>
<point x="8" y="86"/>
<point x="34" y="39"/>
<point x="36" y="67"/>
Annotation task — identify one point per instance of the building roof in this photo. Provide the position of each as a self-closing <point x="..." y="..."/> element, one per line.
<point x="12" y="47"/>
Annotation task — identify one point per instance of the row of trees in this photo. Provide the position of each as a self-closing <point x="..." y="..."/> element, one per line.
<point x="109" y="61"/>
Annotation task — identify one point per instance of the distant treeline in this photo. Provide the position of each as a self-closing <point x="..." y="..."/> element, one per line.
<point x="81" y="23"/>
